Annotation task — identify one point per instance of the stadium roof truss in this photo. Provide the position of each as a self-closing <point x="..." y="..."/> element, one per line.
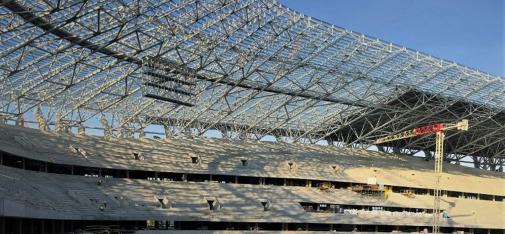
<point x="249" y="66"/>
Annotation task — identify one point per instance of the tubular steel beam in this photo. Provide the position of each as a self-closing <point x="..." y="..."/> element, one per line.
<point x="247" y="66"/>
<point x="48" y="27"/>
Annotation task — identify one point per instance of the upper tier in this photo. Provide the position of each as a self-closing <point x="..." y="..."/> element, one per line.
<point x="264" y="159"/>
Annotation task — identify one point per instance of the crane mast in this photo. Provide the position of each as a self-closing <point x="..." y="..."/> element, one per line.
<point x="439" y="130"/>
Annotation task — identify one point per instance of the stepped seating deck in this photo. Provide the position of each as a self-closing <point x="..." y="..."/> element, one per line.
<point x="46" y="195"/>
<point x="264" y="159"/>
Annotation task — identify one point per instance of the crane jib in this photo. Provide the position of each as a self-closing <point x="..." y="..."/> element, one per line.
<point x="432" y="128"/>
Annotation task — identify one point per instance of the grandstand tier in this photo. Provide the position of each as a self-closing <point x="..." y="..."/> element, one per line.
<point x="223" y="184"/>
<point x="264" y="159"/>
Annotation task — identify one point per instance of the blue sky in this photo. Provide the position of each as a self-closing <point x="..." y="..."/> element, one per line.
<point x="468" y="32"/>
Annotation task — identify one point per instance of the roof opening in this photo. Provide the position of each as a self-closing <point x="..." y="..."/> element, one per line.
<point x="291" y="165"/>
<point x="244" y="162"/>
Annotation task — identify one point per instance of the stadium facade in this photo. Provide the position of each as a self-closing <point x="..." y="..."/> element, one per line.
<point x="245" y="70"/>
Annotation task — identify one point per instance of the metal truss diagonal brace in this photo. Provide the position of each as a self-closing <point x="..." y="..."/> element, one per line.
<point x="47" y="26"/>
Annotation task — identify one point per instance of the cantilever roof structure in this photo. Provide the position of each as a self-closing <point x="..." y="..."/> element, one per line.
<point x="249" y="66"/>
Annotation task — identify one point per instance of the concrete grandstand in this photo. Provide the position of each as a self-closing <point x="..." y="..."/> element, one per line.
<point x="150" y="117"/>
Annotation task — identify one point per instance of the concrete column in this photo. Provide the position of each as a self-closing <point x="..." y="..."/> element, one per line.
<point x="127" y="174"/>
<point x="42" y="226"/>
<point x="236" y="179"/>
<point x="57" y="226"/>
<point x="2" y="224"/>
<point x="32" y="231"/>
<point x="20" y="226"/>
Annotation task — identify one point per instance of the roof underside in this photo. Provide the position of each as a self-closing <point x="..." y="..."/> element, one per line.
<point x="253" y="66"/>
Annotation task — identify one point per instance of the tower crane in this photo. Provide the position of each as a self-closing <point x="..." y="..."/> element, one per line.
<point x="439" y="130"/>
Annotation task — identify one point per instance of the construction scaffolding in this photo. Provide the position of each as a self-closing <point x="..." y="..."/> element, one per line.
<point x="372" y="191"/>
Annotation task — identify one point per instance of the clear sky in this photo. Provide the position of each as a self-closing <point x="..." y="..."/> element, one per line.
<point x="468" y="32"/>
